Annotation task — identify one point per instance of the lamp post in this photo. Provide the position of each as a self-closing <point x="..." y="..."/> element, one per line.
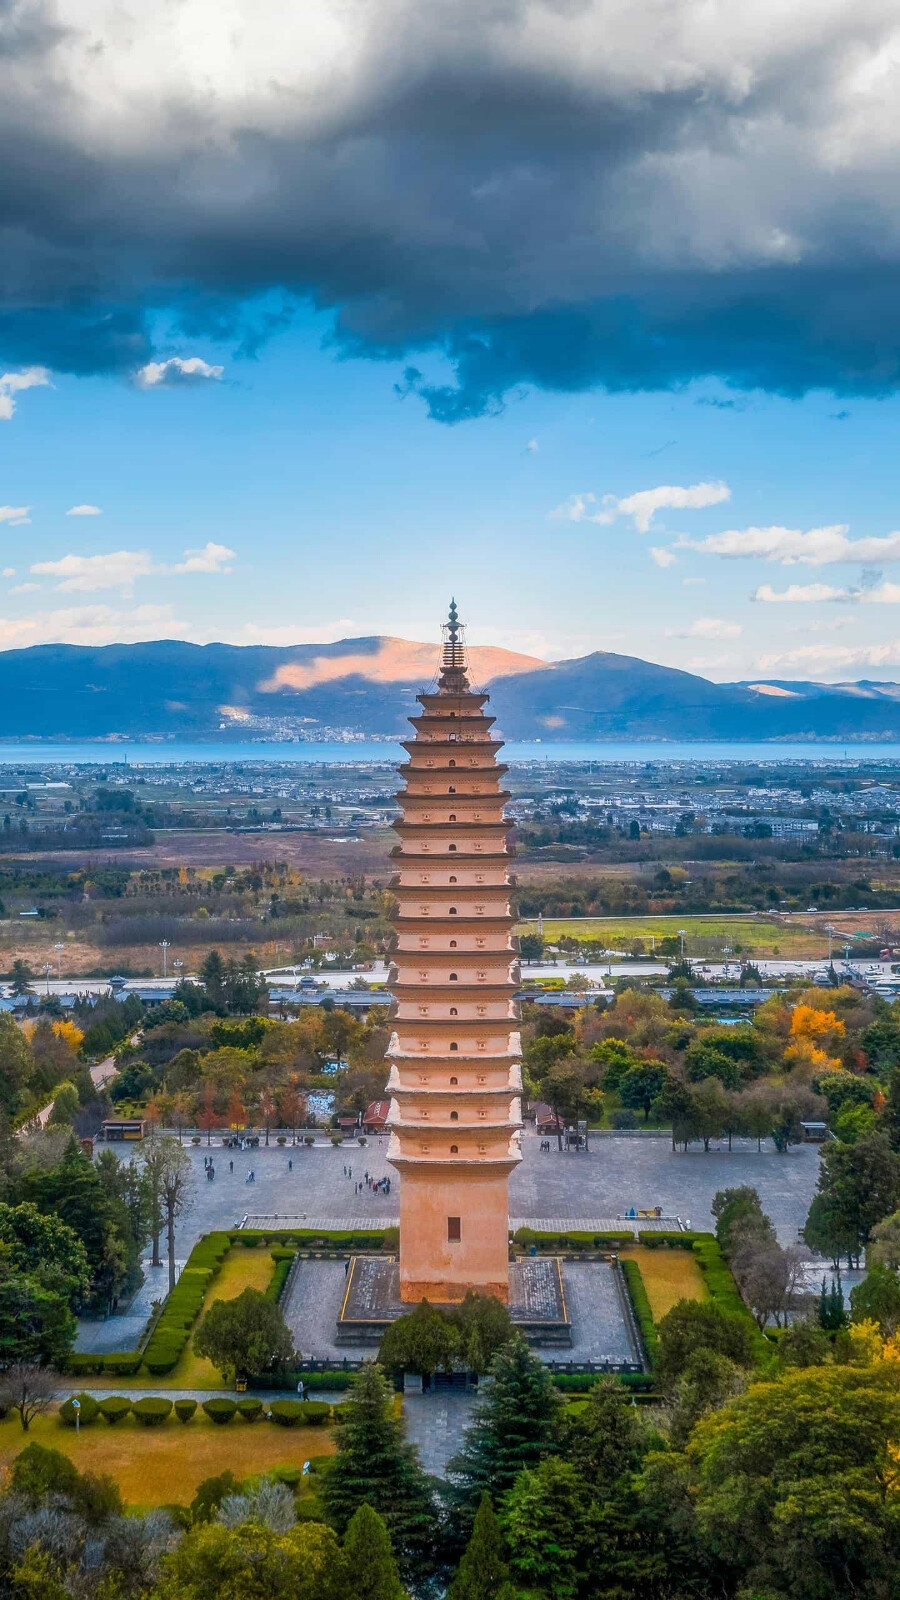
<point x="681" y="934"/>
<point x="164" y="947"/>
<point x="48" y="968"/>
<point x="59" y="947"/>
<point x="829" y="929"/>
<point x="726" y="951"/>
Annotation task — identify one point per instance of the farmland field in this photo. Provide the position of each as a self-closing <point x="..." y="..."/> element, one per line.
<point x="704" y="935"/>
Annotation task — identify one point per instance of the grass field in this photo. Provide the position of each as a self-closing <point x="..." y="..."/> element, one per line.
<point x="164" y="1465"/>
<point x="704" y="936"/>
<point x="241" y="1269"/>
<point x="669" y="1276"/>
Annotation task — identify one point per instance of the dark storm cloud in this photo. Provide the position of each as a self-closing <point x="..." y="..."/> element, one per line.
<point x="626" y="193"/>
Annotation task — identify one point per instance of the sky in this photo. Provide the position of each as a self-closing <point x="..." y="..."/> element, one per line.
<point x="313" y="314"/>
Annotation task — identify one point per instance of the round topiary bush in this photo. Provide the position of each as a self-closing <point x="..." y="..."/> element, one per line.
<point x="184" y="1409"/>
<point x="152" y="1410"/>
<point x="281" y="1139"/>
<point x="250" y="1409"/>
<point x="337" y="1138"/>
<point x="287" y="1413"/>
<point x="220" y="1410"/>
<point x="85" y="1412"/>
<point x="114" y="1408"/>
<point x="195" y="1139"/>
<point x="316" y="1412"/>
<point x="309" y="1139"/>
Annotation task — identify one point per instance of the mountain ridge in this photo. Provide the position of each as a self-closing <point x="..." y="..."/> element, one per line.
<point x="170" y="688"/>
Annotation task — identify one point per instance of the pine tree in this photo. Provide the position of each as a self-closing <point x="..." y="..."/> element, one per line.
<point x="516" y="1425"/>
<point x="375" y="1466"/>
<point x="482" y="1571"/>
<point x="371" y="1567"/>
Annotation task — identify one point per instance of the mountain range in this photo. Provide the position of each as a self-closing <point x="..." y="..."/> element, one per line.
<point x="171" y="689"/>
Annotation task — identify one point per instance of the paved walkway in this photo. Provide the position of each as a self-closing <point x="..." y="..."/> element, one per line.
<point x="436" y="1422"/>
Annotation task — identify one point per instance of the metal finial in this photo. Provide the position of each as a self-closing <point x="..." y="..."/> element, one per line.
<point x="453" y="619"/>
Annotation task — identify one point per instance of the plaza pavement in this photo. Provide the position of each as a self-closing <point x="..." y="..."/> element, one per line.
<point x="555" y="1190"/>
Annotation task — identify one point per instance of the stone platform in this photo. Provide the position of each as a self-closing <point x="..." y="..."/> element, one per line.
<point x="537" y="1301"/>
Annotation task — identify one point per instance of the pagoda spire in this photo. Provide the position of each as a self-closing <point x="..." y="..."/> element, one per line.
<point x="453" y="679"/>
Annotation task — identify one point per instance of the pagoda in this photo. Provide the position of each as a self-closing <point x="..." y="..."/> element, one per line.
<point x="455" y="1076"/>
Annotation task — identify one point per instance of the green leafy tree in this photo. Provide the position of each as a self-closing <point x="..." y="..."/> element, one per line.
<point x="74" y="1192"/>
<point x="707" y="1381"/>
<point x="245" y="1336"/>
<point x="484" y="1326"/>
<point x="859" y="1185"/>
<point x="789" y="1484"/>
<point x="65" y="1105"/>
<point x="884" y="1243"/>
<point x="642" y="1084"/>
<point x="675" y="1105"/>
<point x="375" y="1466"/>
<point x="703" y="1060"/>
<point x="694" y="1325"/>
<point x="16" y="1063"/>
<point x="424" y="1341"/>
<point x="517" y="1423"/>
<point x="369" y="1558"/>
<point x="739" y="1214"/>
<point x="483" y="1570"/>
<point x="804" y="1343"/>
<point x="36" y="1323"/>
<point x="877" y="1299"/>
<point x="37" y="1243"/>
<point x="251" y="1562"/>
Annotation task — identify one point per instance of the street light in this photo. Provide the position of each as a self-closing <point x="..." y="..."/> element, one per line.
<point x="681" y="934"/>
<point x="726" y="951"/>
<point x="164" y="947"/>
<point x="59" y="948"/>
<point x="829" y="929"/>
<point x="48" y="968"/>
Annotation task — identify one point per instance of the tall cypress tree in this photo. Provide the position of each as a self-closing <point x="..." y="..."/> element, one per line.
<point x="374" y="1466"/>
<point x="516" y="1425"/>
<point x="482" y="1571"/>
<point x="371" y="1568"/>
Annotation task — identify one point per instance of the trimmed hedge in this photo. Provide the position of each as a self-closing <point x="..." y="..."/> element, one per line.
<point x="85" y="1413"/>
<point x="583" y="1382"/>
<point x="315" y="1412"/>
<point x="114" y="1408"/>
<point x="287" y="1413"/>
<point x="220" y="1411"/>
<point x="152" y="1410"/>
<point x="723" y="1291"/>
<point x="669" y="1241"/>
<point x="524" y="1238"/>
<point x="640" y="1304"/>
<point x="184" y="1409"/>
<point x="249" y="1409"/>
<point x="124" y="1364"/>
<point x="308" y="1239"/>
<point x="184" y="1304"/>
<point x="283" y="1263"/>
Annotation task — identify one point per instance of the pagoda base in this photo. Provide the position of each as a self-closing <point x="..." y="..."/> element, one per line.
<point x="537" y="1302"/>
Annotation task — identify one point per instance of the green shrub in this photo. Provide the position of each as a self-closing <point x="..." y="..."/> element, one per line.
<point x="115" y="1407"/>
<point x="328" y="1380"/>
<point x="315" y="1412"/>
<point x="667" y="1241"/>
<point x="184" y="1409"/>
<point x="249" y="1409"/>
<point x="80" y="1362"/>
<point x="152" y="1410"/>
<point x="85" y="1412"/>
<point x="290" y="1476"/>
<point x="220" y="1410"/>
<point x="279" y="1277"/>
<point x="640" y="1303"/>
<point x="124" y="1362"/>
<point x="288" y="1413"/>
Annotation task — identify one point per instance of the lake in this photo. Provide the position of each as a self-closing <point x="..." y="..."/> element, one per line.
<point x="37" y="753"/>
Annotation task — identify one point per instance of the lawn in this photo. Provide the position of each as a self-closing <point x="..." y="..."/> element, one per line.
<point x="164" y="1465"/>
<point x="241" y="1269"/>
<point x="669" y="1275"/>
<point x="704" y="936"/>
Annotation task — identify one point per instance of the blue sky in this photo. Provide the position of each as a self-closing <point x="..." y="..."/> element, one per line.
<point x="312" y="315"/>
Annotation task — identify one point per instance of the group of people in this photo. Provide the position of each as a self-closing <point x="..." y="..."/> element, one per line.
<point x="374" y="1185"/>
<point x="210" y="1168"/>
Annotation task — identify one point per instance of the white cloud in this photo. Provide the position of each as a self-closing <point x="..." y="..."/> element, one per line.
<point x="833" y="657"/>
<point x="707" y="628"/>
<point x="98" y="624"/>
<point x="661" y="556"/>
<point x="175" y="373"/>
<point x="708" y="663"/>
<point x="817" y="547"/>
<point x="643" y="505"/>
<point x="15" y="516"/>
<point x="532" y="447"/>
<point x="212" y="558"/>
<point x="84" y="511"/>
<point x="13" y="383"/>
<point x="24" y="588"/>
<point x="886" y="594"/>
<point x="801" y="594"/>
<point x="85" y="574"/>
<point x="8" y="572"/>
